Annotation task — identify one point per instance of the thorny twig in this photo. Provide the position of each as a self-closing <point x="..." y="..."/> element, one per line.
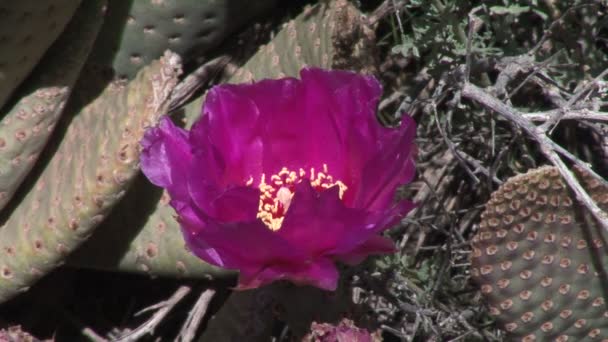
<point x="151" y="324"/>
<point x="453" y="149"/>
<point x="551" y="27"/>
<point x="577" y="114"/>
<point x="574" y="99"/>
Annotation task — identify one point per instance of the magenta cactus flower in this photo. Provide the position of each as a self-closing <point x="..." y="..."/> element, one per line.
<point x="280" y="179"/>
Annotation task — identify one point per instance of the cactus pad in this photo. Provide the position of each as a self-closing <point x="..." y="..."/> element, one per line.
<point x="83" y="178"/>
<point x="330" y="35"/>
<point x="27" y="125"/>
<point x="27" y="29"/>
<point x="540" y="259"/>
<point x="137" y="32"/>
<point x="156" y="250"/>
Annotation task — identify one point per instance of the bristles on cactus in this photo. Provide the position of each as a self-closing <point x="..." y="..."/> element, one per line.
<point x="540" y="259"/>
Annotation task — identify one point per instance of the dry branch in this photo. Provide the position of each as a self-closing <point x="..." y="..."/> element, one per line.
<point x="477" y="94"/>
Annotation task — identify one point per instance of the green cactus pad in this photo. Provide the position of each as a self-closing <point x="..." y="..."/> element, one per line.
<point x="27" y="29"/>
<point x="330" y="35"/>
<point x="143" y="236"/>
<point x="540" y="259"/>
<point x="84" y="177"/>
<point x="137" y="32"/>
<point x="26" y="127"/>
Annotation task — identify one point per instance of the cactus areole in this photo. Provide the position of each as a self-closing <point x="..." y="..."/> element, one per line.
<point x="280" y="179"/>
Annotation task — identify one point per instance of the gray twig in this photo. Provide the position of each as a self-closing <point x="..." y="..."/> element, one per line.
<point x="576" y="114"/>
<point x="475" y="93"/>
<point x="195" y="317"/>
<point x="151" y="324"/>
<point x="573" y="100"/>
<point x="453" y="149"/>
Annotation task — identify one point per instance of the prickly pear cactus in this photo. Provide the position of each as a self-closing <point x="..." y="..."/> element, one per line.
<point x="28" y="28"/>
<point x="141" y="235"/>
<point x="84" y="177"/>
<point x="156" y="246"/>
<point x="541" y="260"/>
<point x="138" y="32"/>
<point x="27" y="125"/>
<point x="322" y="36"/>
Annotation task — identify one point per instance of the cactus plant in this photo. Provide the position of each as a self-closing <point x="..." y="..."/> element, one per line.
<point x="27" y="29"/>
<point x="84" y="177"/>
<point x="27" y="126"/>
<point x="138" y="32"/>
<point x="540" y="259"/>
<point x="74" y="186"/>
<point x="156" y="246"/>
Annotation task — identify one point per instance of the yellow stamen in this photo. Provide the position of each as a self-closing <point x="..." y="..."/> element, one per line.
<point x="276" y="196"/>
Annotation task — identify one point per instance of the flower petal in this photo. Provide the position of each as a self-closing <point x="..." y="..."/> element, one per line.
<point x="318" y="222"/>
<point x="321" y="225"/>
<point x="243" y="245"/>
<point x="392" y="165"/>
<point x="166" y="157"/>
<point x="376" y="244"/>
<point x="266" y="122"/>
<point x="236" y="123"/>
<point x="322" y="274"/>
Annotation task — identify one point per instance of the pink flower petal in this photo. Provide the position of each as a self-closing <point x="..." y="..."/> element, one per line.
<point x="166" y="153"/>
<point x="322" y="274"/>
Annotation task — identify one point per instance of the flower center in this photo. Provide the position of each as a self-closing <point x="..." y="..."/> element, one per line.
<point x="276" y="195"/>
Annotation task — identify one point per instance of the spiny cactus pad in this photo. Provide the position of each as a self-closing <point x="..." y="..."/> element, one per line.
<point x="27" y="29"/>
<point x="84" y="177"/>
<point x="540" y="259"/>
<point x="137" y="32"/>
<point x="26" y="126"/>
<point x="157" y="249"/>
<point x="143" y="236"/>
<point x="321" y="36"/>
